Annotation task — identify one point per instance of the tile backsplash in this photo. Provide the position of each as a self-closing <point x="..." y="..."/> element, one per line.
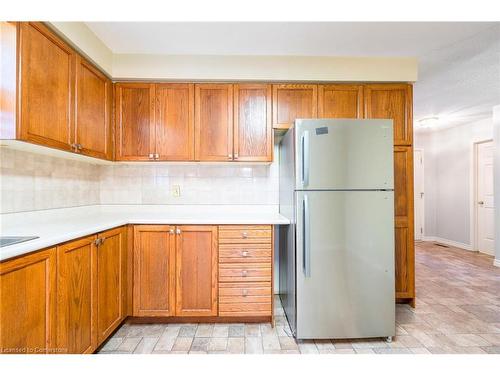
<point x="31" y="181"/>
<point x="34" y="182"/>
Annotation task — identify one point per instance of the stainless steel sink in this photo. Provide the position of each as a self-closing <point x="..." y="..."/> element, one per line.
<point x="6" y="240"/>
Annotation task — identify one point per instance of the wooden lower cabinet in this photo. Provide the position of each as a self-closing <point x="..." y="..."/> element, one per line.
<point x="196" y="271"/>
<point x="76" y="296"/>
<point x="28" y="303"/>
<point x="245" y="270"/>
<point x="154" y="270"/>
<point x="110" y="281"/>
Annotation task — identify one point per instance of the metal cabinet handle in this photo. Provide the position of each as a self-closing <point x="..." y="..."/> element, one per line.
<point x="236" y="155"/>
<point x="244" y="273"/>
<point x="305" y="158"/>
<point x="230" y="156"/>
<point x="99" y="241"/>
<point x="151" y="156"/>
<point x="244" y="253"/>
<point x="244" y="293"/>
<point x="171" y="231"/>
<point x="306" y="251"/>
<point x="480" y="202"/>
<point x="244" y="235"/>
<point x="178" y="231"/>
<point x="157" y="156"/>
<point x="79" y="147"/>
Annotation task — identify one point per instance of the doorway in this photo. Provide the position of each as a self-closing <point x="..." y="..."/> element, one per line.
<point x="484" y="205"/>
<point x="418" y="171"/>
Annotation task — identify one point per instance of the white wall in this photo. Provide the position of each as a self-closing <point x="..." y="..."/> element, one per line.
<point x="448" y="187"/>
<point x="496" y="162"/>
<point x="266" y="68"/>
<point x="31" y="181"/>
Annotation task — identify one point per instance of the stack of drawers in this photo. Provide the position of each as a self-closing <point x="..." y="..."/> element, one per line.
<point x="245" y="270"/>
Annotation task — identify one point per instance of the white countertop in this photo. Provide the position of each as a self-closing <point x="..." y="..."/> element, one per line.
<point x="60" y="225"/>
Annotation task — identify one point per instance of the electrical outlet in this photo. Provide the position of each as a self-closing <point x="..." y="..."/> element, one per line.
<point x="176" y="190"/>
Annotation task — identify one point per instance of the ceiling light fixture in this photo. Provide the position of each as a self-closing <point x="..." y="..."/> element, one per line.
<point x="428" y="121"/>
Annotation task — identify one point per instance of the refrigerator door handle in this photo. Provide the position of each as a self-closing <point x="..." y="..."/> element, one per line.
<point x="305" y="158"/>
<point x="306" y="251"/>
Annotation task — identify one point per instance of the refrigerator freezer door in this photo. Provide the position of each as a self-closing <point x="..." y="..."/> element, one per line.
<point x="343" y="154"/>
<point x="345" y="264"/>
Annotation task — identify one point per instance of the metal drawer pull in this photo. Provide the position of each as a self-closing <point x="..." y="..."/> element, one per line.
<point x="171" y="231"/>
<point x="244" y="273"/>
<point x="244" y="253"/>
<point x="151" y="156"/>
<point x="178" y="231"/>
<point x="245" y="292"/>
<point x="244" y="234"/>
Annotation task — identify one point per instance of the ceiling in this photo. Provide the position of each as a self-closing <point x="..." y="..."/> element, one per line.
<point x="282" y="38"/>
<point x="459" y="62"/>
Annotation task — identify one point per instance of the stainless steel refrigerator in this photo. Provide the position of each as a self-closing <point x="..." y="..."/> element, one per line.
<point x="337" y="255"/>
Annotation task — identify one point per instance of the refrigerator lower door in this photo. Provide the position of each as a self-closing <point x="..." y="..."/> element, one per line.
<point x="345" y="264"/>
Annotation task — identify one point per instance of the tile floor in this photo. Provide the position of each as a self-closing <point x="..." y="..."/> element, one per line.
<point x="458" y="311"/>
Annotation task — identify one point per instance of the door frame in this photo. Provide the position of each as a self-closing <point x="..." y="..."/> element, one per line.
<point x="473" y="193"/>
<point x="422" y="215"/>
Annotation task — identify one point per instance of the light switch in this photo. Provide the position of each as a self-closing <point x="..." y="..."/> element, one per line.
<point x="176" y="190"/>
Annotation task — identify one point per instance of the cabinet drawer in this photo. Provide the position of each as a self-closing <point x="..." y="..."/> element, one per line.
<point x="245" y="253"/>
<point x="245" y="309"/>
<point x="244" y="272"/>
<point x="245" y="293"/>
<point x="245" y="234"/>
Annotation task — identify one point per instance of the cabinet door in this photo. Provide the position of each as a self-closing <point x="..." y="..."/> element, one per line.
<point x="196" y="281"/>
<point x="135" y="128"/>
<point x="154" y="270"/>
<point x="110" y="279"/>
<point x="92" y="122"/>
<point x="392" y="101"/>
<point x="47" y="69"/>
<point x="214" y="122"/>
<point x="291" y="102"/>
<point x="252" y="123"/>
<point x="75" y="296"/>
<point x="340" y="101"/>
<point x="28" y="308"/>
<point x="404" y="231"/>
<point x="175" y="121"/>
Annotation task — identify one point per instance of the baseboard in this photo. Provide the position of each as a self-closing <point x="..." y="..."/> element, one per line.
<point x="445" y="241"/>
<point x="496" y="262"/>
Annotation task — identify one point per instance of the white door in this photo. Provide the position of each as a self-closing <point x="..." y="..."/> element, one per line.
<point x="418" y="176"/>
<point x="484" y="202"/>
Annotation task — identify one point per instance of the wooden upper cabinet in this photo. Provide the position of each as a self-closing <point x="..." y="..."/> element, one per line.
<point x="291" y="102"/>
<point x="404" y="231"/>
<point x="196" y="281"/>
<point x="154" y="270"/>
<point x="253" y="139"/>
<point x="213" y="122"/>
<point x="340" y="101"/>
<point x="75" y="296"/>
<point x="110" y="280"/>
<point x="392" y="101"/>
<point x="28" y="303"/>
<point x="93" y="105"/>
<point x="175" y="121"/>
<point x="135" y="125"/>
<point x="47" y="87"/>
